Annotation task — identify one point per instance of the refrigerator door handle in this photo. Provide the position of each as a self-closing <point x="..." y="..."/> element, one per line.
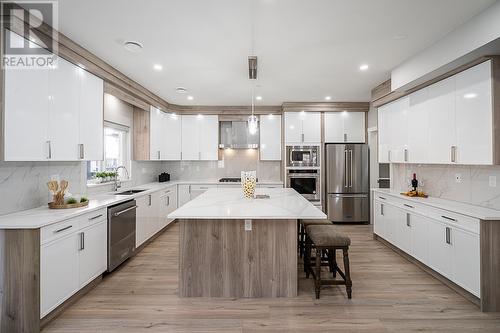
<point x="346" y="179"/>
<point x="350" y="171"/>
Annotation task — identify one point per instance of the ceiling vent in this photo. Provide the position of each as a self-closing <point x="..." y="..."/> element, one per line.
<point x="252" y="67"/>
<point x="133" y="46"/>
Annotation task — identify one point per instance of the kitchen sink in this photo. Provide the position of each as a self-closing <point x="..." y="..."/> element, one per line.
<point x="130" y="192"/>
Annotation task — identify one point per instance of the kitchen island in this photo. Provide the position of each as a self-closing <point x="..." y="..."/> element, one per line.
<point x="230" y="246"/>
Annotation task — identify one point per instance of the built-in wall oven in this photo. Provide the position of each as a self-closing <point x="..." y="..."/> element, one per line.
<point x="302" y="156"/>
<point x="306" y="182"/>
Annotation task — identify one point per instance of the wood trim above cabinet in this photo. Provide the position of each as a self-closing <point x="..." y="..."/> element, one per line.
<point x="141" y="135"/>
<point x="495" y="95"/>
<point x="111" y="89"/>
<point x="326" y="106"/>
<point x="224" y="110"/>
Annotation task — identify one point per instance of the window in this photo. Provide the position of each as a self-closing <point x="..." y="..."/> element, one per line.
<point x="116" y="153"/>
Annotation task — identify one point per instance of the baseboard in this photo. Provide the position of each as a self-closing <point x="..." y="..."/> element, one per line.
<point x="455" y="287"/>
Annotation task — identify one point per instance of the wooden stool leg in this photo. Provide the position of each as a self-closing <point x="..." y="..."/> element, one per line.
<point x="317" y="281"/>
<point x="348" y="282"/>
<point x="333" y="258"/>
<point x="302" y="240"/>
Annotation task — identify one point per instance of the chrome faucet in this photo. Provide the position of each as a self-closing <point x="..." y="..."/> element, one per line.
<point x="117" y="184"/>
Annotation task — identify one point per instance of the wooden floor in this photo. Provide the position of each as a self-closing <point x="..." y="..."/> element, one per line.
<point x="389" y="295"/>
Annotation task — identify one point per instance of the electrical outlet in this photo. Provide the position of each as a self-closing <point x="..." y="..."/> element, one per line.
<point x="248" y="225"/>
<point x="493" y="181"/>
<point x="458" y="177"/>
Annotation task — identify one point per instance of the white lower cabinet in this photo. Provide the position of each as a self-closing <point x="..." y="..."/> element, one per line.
<point x="187" y="192"/>
<point x="168" y="203"/>
<point x="72" y="254"/>
<point x="448" y="245"/>
<point x="59" y="277"/>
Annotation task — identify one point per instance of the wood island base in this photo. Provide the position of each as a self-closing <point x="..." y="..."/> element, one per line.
<point x="219" y="258"/>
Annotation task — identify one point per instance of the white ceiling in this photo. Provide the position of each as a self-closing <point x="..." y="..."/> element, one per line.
<point x="307" y="49"/>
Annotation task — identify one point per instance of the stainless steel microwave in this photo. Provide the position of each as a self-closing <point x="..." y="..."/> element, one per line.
<point x="302" y="156"/>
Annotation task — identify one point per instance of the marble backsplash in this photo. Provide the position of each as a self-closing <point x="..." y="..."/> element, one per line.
<point x="23" y="185"/>
<point x="440" y="181"/>
<point x="230" y="164"/>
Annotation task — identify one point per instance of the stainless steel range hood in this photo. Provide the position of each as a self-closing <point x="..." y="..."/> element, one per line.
<point x="234" y="134"/>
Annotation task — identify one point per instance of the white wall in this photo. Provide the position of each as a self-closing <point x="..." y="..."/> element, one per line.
<point x="479" y="31"/>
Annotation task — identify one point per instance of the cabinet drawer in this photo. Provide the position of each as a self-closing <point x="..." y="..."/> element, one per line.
<point x="93" y="218"/>
<point x="58" y="230"/>
<point x="458" y="220"/>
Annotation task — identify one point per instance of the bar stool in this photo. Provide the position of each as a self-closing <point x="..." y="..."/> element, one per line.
<point x="302" y="232"/>
<point x="326" y="239"/>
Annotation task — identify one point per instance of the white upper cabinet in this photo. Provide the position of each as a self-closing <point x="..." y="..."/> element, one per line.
<point x="302" y="127"/>
<point x="345" y="127"/>
<point x="64" y="89"/>
<point x="157" y="133"/>
<point x="473" y="115"/>
<point x="209" y="137"/>
<point x="441" y="124"/>
<point x="418" y="127"/>
<point x="171" y="149"/>
<point x="270" y="138"/>
<point x="200" y="137"/>
<point x="448" y="122"/>
<point x="53" y="114"/>
<point x="25" y="116"/>
<point x="91" y="117"/>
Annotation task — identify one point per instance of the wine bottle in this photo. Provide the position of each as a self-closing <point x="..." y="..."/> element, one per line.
<point x="414" y="182"/>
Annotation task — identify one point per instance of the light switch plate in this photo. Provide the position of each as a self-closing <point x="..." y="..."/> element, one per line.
<point x="248" y="225"/>
<point x="458" y="177"/>
<point x="493" y="181"/>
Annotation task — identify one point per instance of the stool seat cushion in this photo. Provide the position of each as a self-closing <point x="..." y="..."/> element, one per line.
<point x="315" y="222"/>
<point x="325" y="235"/>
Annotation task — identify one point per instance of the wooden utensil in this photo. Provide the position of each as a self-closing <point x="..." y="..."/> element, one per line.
<point x="53" y="186"/>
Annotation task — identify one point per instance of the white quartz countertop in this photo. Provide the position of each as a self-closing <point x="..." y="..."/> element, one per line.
<point x="229" y="203"/>
<point x="43" y="216"/>
<point x="482" y="213"/>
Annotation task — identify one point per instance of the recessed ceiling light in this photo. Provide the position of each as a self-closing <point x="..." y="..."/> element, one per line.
<point x="327" y="98"/>
<point x="181" y="90"/>
<point x="470" y="95"/>
<point x="190" y="98"/>
<point x="132" y="46"/>
<point x="157" y="67"/>
<point x="259" y="98"/>
<point x="363" y="67"/>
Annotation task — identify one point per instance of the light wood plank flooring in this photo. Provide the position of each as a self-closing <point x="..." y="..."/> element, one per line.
<point x="389" y="295"/>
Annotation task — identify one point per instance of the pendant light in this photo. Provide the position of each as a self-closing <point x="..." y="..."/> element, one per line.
<point x="253" y="122"/>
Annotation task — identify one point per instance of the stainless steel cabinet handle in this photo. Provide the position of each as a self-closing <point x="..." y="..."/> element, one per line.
<point x="302" y="137"/>
<point x="345" y="137"/>
<point x="49" y="156"/>
<point x="95" y="217"/>
<point x="409" y="206"/>
<point x="408" y="223"/>
<point x="81" y="151"/>
<point x="158" y="154"/>
<point x="454" y="154"/>
<point x="203" y="188"/>
<point x="125" y="210"/>
<point x="181" y="155"/>
<point x="189" y="189"/>
<point x="389" y="155"/>
<point x="199" y="155"/>
<point x="62" y="229"/>
<point x="382" y="198"/>
<point x="449" y="218"/>
<point x="150" y="200"/>
<point x="82" y="241"/>
<point x="382" y="209"/>
<point x="168" y="201"/>
<point x="448" y="235"/>
<point x="406" y="154"/>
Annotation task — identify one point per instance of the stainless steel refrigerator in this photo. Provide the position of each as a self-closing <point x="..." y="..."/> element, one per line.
<point x="347" y="183"/>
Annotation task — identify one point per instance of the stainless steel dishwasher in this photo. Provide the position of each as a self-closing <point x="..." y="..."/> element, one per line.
<point x="121" y="233"/>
